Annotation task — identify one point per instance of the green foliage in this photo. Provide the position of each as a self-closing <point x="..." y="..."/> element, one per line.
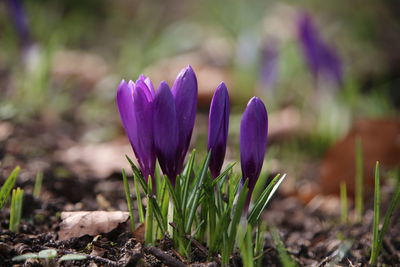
<point x="359" y="183"/>
<point x="286" y="260"/>
<point x="378" y="235"/>
<point x="343" y="203"/>
<point x="8" y="186"/>
<point x="38" y="184"/>
<point x="16" y="209"/>
<point x="200" y="208"/>
<point x="375" y="225"/>
<point x="128" y="200"/>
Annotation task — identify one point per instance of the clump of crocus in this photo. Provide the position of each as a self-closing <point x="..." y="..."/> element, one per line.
<point x="218" y="125"/>
<point x="135" y="105"/>
<point x="321" y="58"/>
<point x="174" y="117"/>
<point x="159" y="125"/>
<point x="253" y="141"/>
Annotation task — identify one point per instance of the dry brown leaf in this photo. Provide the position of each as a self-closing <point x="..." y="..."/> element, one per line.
<point x="100" y="160"/>
<point x="380" y="142"/>
<point x="138" y="234"/>
<point x="80" y="223"/>
<point x="6" y="129"/>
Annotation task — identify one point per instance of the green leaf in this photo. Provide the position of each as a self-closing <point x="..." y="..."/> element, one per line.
<point x="286" y="260"/>
<point x="237" y="214"/>
<point x="186" y="179"/>
<point x="128" y="200"/>
<point x="394" y="203"/>
<point x="375" y="225"/>
<point x="175" y="198"/>
<point x="258" y="208"/>
<point x="73" y="257"/>
<point x="8" y="186"/>
<point x="138" y="199"/>
<point x="157" y="212"/>
<point x="194" y="202"/>
<point x="25" y="257"/>
<point x="47" y="254"/>
<point x="138" y="174"/>
<point x="16" y="209"/>
<point x="148" y="234"/>
<point x="223" y="175"/>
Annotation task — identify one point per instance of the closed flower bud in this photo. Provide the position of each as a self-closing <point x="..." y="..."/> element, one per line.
<point x="135" y="105"/>
<point x="253" y="141"/>
<point x="218" y="125"/>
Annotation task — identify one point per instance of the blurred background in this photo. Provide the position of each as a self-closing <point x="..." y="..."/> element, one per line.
<point x="328" y="72"/>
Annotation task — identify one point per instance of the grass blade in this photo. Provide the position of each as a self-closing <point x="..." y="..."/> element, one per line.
<point x="8" y="186"/>
<point x="375" y="227"/>
<point x="394" y="203"/>
<point x="128" y="200"/>
<point x="38" y="184"/>
<point x="359" y="183"/>
<point x="286" y="260"/>
<point x="196" y="194"/>
<point x="258" y="208"/>
<point x="343" y="203"/>
<point x="138" y="199"/>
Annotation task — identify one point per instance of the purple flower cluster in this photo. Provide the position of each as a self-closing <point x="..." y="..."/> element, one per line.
<point x="321" y="58"/>
<point x="159" y="125"/>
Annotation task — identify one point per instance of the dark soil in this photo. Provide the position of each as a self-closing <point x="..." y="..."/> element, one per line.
<point x="311" y="232"/>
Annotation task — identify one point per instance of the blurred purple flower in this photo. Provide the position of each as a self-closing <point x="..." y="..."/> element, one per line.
<point x="135" y="105"/>
<point x="20" y="21"/>
<point x="218" y="128"/>
<point x="269" y="65"/>
<point x="321" y="58"/>
<point x="253" y="141"/>
<point x="174" y="116"/>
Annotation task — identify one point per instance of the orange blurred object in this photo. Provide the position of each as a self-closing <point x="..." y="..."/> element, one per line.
<point x="380" y="140"/>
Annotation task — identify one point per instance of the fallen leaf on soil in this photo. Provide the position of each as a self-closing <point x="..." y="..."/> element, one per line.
<point x="80" y="223"/>
<point x="138" y="234"/>
<point x="6" y="129"/>
<point x="380" y="140"/>
<point x="85" y="67"/>
<point x="284" y="123"/>
<point x="100" y="160"/>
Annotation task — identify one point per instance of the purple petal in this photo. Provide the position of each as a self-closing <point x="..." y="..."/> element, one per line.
<point x="150" y="88"/>
<point x="218" y="128"/>
<point x="184" y="91"/>
<point x="126" y="112"/>
<point x="253" y="140"/>
<point x="20" y="21"/>
<point x="165" y="125"/>
<point x="269" y="65"/>
<point x="309" y="41"/>
<point x="143" y="111"/>
<point x="320" y="57"/>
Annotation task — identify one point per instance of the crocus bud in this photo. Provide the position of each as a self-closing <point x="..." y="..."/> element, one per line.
<point x="174" y="115"/>
<point x="321" y="58"/>
<point x="184" y="91"/>
<point x="218" y="125"/>
<point x="135" y="105"/>
<point x="166" y="132"/>
<point x="253" y="141"/>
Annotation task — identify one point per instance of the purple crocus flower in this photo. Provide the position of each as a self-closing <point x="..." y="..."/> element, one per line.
<point x="218" y="128"/>
<point x="135" y="105"/>
<point x="20" y="21"/>
<point x="321" y="58"/>
<point x="174" y="116"/>
<point x="253" y="141"/>
<point x="269" y="65"/>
